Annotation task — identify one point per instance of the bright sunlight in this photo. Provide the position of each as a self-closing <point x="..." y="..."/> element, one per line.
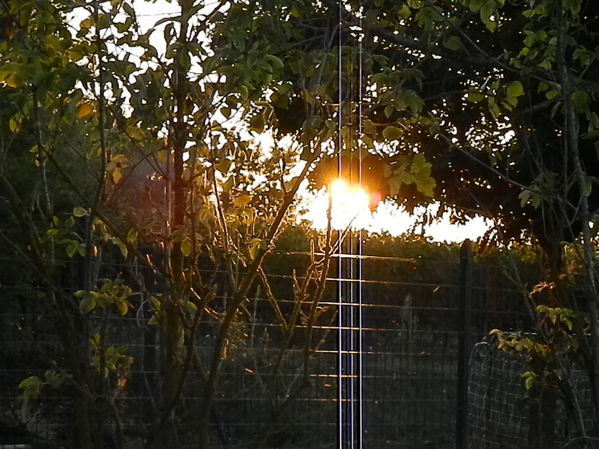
<point x="350" y="208"/>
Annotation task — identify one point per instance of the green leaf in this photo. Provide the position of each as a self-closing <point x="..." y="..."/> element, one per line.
<point x="475" y="97"/>
<point x="475" y="5"/>
<point x="404" y="11"/>
<point x="491" y="25"/>
<point x="524" y="197"/>
<point x="529" y="379"/>
<point x="588" y="186"/>
<point x="122" y="307"/>
<point x="132" y="236"/>
<point x="389" y="109"/>
<point x="32" y="387"/>
<point x="54" y="379"/>
<point x="515" y="89"/>
<point x="186" y="246"/>
<point x="486" y="11"/>
<point x="394" y="185"/>
<point x="71" y="248"/>
<point x="80" y="212"/>
<point x="257" y="123"/>
<point x="254" y="247"/>
<point x="415" y="4"/>
<point x="453" y="43"/>
<point x="580" y="101"/>
<point x="392" y="133"/>
<point x="87" y="304"/>
<point x="13" y="125"/>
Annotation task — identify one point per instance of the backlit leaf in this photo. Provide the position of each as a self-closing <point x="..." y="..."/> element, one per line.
<point x="392" y="133"/>
<point x="84" y="110"/>
<point x="186" y="247"/>
<point x="515" y="89"/>
<point x="453" y="43"/>
<point x="80" y="212"/>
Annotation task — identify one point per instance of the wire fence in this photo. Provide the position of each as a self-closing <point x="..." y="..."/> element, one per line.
<point x="504" y="414"/>
<point x="275" y="396"/>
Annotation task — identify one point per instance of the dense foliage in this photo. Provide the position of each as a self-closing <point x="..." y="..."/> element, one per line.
<point x="138" y="161"/>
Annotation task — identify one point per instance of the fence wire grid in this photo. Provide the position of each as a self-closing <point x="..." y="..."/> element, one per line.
<point x="411" y="328"/>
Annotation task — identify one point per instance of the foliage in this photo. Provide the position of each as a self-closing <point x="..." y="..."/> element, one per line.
<point x="120" y="151"/>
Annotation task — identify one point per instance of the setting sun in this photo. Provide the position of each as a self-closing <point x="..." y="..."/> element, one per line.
<point x="349" y="206"/>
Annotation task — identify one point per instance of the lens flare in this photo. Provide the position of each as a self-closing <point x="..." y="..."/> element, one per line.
<point x="349" y="207"/>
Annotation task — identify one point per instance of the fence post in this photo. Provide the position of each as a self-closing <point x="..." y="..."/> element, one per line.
<point x="464" y="345"/>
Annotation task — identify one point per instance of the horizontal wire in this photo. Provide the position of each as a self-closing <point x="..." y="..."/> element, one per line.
<point x="347" y="256"/>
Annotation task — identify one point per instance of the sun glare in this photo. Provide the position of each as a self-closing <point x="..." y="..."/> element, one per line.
<point x="349" y="207"/>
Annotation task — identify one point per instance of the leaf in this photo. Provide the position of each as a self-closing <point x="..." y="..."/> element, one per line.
<point x="529" y="379"/>
<point x="524" y="197"/>
<point x="242" y="201"/>
<point x="580" y="101"/>
<point x="13" y="125"/>
<point x="12" y="80"/>
<point x="87" y="304"/>
<point x="486" y="11"/>
<point x="588" y="186"/>
<point x="491" y="25"/>
<point x="394" y="185"/>
<point x="515" y="89"/>
<point x="132" y="236"/>
<point x="453" y="43"/>
<point x="389" y="110"/>
<point x="415" y="4"/>
<point x="475" y="5"/>
<point x="392" y="133"/>
<point x="257" y="123"/>
<point x="122" y="307"/>
<point x="186" y="247"/>
<point x="80" y="212"/>
<point x="475" y="97"/>
<point x="426" y="185"/>
<point x="84" y="109"/>
<point x="404" y="11"/>
<point x="254" y="246"/>
<point x="104" y="21"/>
<point x="32" y="387"/>
<point x="71" y="248"/>
<point x="116" y="175"/>
<point x="122" y="247"/>
<point x="54" y="379"/>
<point x="86" y="23"/>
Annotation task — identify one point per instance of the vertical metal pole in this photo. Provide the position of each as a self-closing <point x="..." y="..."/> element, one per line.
<point x="464" y="345"/>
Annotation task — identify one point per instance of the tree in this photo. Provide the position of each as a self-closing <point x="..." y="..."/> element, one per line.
<point x="139" y="163"/>
<point x="487" y="107"/>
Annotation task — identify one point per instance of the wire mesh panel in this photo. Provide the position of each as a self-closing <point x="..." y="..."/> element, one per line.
<point x="503" y="414"/>
<point x="281" y="391"/>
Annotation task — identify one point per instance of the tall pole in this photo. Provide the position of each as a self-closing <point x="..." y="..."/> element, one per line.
<point x="464" y="345"/>
<point x="350" y="416"/>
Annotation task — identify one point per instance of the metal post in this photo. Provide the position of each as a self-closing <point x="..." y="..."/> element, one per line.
<point x="464" y="345"/>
